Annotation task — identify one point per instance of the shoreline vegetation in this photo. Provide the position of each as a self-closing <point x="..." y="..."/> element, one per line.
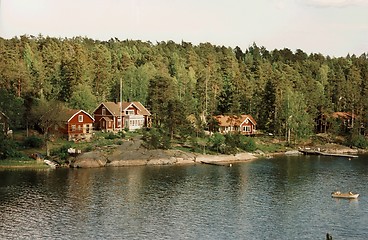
<point x="130" y="151"/>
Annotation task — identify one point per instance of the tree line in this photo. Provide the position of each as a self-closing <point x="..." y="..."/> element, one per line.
<point x="184" y="84"/>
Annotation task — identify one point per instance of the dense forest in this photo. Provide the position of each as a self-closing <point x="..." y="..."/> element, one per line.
<point x="184" y="84"/>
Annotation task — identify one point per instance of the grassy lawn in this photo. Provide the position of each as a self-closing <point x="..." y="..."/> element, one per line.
<point x="15" y="163"/>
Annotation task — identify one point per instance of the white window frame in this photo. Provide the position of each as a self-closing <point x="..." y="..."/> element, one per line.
<point x="80" y="118"/>
<point x="129" y="112"/>
<point x="247" y="128"/>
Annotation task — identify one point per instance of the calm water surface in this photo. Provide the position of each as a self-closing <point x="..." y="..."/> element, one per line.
<point x="280" y="198"/>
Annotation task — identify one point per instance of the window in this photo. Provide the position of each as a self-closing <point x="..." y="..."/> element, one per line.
<point x="119" y="122"/>
<point x="79" y="128"/>
<point x="80" y="118"/>
<point x="73" y="128"/>
<point x="129" y="112"/>
<point x="247" y="129"/>
<point x="103" y="111"/>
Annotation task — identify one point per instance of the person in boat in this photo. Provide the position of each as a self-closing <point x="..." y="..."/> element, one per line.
<point x="350" y="193"/>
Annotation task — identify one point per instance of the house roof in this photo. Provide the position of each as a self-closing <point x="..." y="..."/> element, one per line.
<point x="343" y="115"/>
<point x="107" y="119"/>
<point x="142" y="109"/>
<point x="227" y="121"/>
<point x="70" y="113"/>
<point x="114" y="108"/>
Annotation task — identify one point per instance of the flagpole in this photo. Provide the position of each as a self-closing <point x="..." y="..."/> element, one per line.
<point x="121" y="104"/>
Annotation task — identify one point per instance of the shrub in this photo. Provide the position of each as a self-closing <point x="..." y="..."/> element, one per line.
<point x="121" y="134"/>
<point x="250" y="145"/>
<point x="358" y="141"/>
<point x="234" y="140"/>
<point x="217" y="142"/>
<point x="62" y="152"/>
<point x="33" y="142"/>
<point x="156" y="139"/>
<point x="88" y="148"/>
<point x="9" y="149"/>
<point x="111" y="136"/>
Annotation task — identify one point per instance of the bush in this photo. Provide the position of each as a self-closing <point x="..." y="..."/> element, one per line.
<point x="9" y="149"/>
<point x="358" y="141"/>
<point x="234" y="140"/>
<point x="250" y="145"/>
<point x="217" y="142"/>
<point x="33" y="142"/>
<point x="62" y="152"/>
<point x="112" y="136"/>
<point x="156" y="139"/>
<point x="88" y="149"/>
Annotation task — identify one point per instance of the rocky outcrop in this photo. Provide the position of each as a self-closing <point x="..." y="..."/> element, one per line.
<point x="131" y="153"/>
<point x="89" y="160"/>
<point x="225" y="158"/>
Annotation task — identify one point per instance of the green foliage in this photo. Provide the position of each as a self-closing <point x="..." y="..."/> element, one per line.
<point x="111" y="136"/>
<point x="231" y="143"/>
<point x="10" y="149"/>
<point x="88" y="148"/>
<point x="33" y="142"/>
<point x="294" y="117"/>
<point x="250" y="145"/>
<point x="358" y="141"/>
<point x="61" y="152"/>
<point x="156" y="139"/>
<point x="217" y="142"/>
<point x="234" y="141"/>
<point x="12" y="107"/>
<point x="83" y="98"/>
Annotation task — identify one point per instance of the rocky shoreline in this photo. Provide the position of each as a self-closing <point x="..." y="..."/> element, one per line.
<point x="131" y="153"/>
<point x="120" y="158"/>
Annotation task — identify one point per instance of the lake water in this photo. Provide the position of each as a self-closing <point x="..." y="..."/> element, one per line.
<point x="279" y="198"/>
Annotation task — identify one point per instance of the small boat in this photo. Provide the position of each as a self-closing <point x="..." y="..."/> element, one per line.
<point x="348" y="195"/>
<point x="51" y="163"/>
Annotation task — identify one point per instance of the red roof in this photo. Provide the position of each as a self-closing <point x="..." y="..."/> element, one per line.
<point x="227" y="121"/>
<point x="114" y="108"/>
<point x="70" y="113"/>
<point x="343" y="115"/>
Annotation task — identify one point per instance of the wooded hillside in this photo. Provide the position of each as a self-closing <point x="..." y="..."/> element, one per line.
<point x="281" y="89"/>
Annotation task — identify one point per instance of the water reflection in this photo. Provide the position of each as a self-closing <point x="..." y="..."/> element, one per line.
<point x="280" y="198"/>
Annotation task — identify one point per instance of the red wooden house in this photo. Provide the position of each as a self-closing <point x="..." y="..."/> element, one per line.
<point x="77" y="125"/>
<point x="245" y="124"/>
<point x="111" y="116"/>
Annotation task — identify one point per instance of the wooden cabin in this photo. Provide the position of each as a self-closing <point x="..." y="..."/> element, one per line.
<point x="244" y="124"/>
<point x="113" y="117"/>
<point x="345" y="121"/>
<point x="77" y="125"/>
